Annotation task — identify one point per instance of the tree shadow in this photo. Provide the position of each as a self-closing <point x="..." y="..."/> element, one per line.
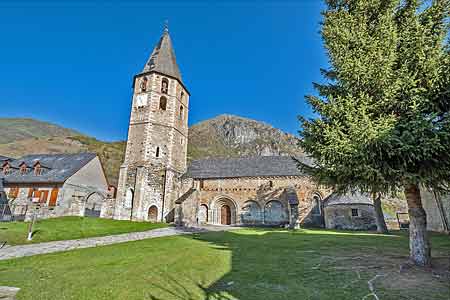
<point x="300" y="264"/>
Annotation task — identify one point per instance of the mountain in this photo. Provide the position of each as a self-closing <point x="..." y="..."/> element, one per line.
<point x="15" y="129"/>
<point x="233" y="136"/>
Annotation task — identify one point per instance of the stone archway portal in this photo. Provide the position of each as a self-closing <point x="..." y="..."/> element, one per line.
<point x="223" y="211"/>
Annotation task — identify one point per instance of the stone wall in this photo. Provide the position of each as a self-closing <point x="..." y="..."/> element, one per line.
<point x="108" y="208"/>
<point x="340" y="217"/>
<point x="252" y="201"/>
<point x="156" y="151"/>
<point x="72" y="200"/>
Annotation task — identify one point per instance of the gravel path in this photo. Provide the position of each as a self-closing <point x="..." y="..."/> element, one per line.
<point x="9" y="252"/>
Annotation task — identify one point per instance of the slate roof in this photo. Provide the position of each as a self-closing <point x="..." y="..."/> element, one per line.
<point x="262" y="166"/>
<point x="56" y="168"/>
<point x="4" y="158"/>
<point x="162" y="59"/>
<point x="349" y="198"/>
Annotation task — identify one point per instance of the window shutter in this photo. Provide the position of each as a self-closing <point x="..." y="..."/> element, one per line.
<point x="30" y="192"/>
<point x="14" y="192"/>
<point x="53" y="197"/>
<point x="44" y="196"/>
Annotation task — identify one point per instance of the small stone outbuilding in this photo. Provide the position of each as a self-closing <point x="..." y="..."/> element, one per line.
<point x="352" y="211"/>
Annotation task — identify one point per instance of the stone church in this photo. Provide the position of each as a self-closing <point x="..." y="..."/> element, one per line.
<point x="156" y="184"/>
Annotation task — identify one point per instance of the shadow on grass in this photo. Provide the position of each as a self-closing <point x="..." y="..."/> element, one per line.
<point x="303" y="264"/>
<point x="35" y="232"/>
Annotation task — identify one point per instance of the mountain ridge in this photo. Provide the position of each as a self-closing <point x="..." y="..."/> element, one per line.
<point x="14" y="129"/>
<point x="222" y="136"/>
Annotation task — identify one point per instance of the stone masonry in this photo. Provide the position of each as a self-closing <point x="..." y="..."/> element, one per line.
<point x="156" y="149"/>
<point x="254" y="201"/>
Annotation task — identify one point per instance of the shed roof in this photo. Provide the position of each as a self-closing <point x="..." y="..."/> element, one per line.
<point x="348" y="198"/>
<point x="263" y="166"/>
<point x="57" y="167"/>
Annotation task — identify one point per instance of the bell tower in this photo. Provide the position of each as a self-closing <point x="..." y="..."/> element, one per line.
<point x="156" y="149"/>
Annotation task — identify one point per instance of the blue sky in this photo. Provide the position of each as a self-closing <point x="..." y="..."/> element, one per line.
<point x="72" y="63"/>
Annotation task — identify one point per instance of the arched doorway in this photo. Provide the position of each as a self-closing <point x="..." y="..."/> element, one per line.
<point x="93" y="205"/>
<point x="316" y="205"/>
<point x="317" y="216"/>
<point x="223" y="211"/>
<point x="203" y="214"/>
<point x="225" y="215"/>
<point x="153" y="213"/>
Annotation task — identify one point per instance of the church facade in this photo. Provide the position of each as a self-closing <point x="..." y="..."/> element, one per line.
<point x="249" y="191"/>
<point x="156" y="184"/>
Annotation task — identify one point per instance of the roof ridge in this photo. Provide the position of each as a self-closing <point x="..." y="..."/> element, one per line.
<point x="247" y="157"/>
<point x="55" y="154"/>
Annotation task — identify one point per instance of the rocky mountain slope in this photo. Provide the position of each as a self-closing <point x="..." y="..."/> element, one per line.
<point x="233" y="136"/>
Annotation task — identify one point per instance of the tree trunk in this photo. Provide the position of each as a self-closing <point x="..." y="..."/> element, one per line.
<point x="419" y="243"/>
<point x="379" y="216"/>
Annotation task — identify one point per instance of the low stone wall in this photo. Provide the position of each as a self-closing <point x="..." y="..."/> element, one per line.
<point x="108" y="207"/>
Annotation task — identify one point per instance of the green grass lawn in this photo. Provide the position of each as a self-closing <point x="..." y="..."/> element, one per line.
<point x="242" y="264"/>
<point x="68" y="228"/>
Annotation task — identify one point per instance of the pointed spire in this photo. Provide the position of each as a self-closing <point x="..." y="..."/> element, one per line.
<point x="162" y="59"/>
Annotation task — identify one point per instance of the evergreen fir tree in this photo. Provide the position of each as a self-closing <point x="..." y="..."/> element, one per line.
<point x="384" y="123"/>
